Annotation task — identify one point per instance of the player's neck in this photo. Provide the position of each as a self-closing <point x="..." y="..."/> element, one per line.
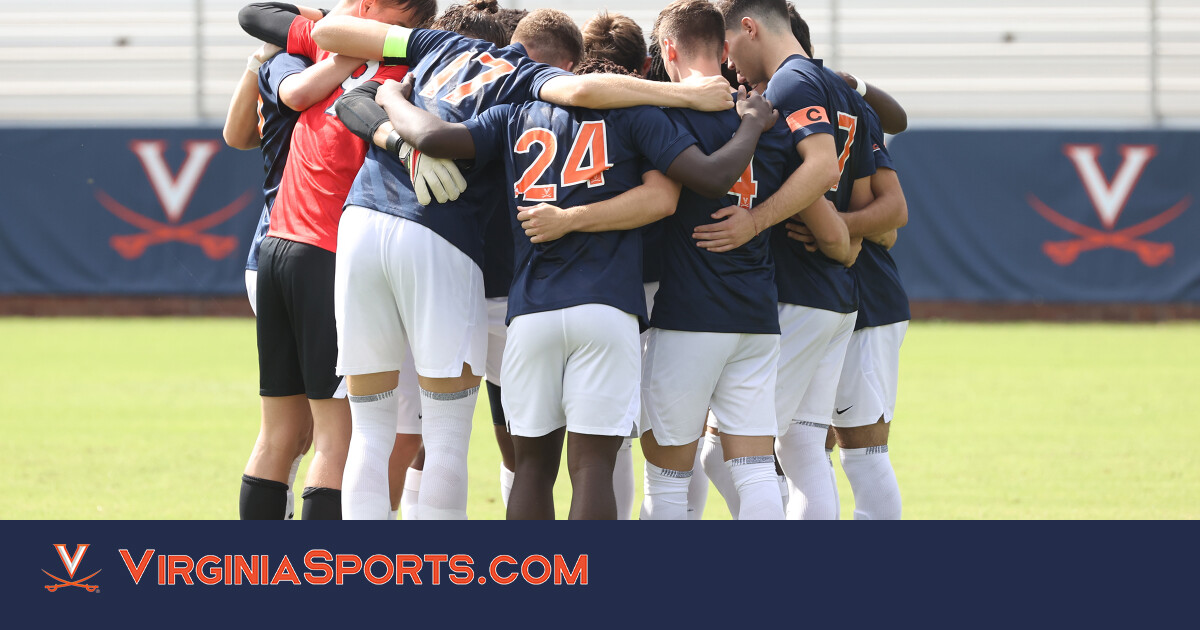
<point x="699" y="67"/>
<point x="780" y="49"/>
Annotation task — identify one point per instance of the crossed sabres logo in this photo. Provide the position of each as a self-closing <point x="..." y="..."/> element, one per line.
<point x="1109" y="198"/>
<point x="174" y="191"/>
<point x="71" y="563"/>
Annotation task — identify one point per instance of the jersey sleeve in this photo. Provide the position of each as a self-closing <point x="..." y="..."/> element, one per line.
<point x="489" y="131"/>
<point x="802" y="105"/>
<point x="277" y="69"/>
<point x="654" y="134"/>
<point x="388" y="72"/>
<point x="300" y="41"/>
<point x="406" y="46"/>
<point x="879" y="151"/>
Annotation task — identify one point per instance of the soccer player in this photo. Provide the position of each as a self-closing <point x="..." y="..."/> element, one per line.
<point x="715" y="335"/>
<point x="439" y="310"/>
<point x="617" y="38"/>
<point x="866" y="392"/>
<point x="296" y="332"/>
<point x="573" y="352"/>
<point x="817" y="292"/>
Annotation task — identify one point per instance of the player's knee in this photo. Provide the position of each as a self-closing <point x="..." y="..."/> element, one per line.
<point x="864" y="436"/>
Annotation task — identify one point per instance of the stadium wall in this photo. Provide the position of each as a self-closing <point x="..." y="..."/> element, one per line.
<point x="1003" y="224"/>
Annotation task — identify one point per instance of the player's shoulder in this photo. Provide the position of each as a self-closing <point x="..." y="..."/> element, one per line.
<point x="798" y="75"/>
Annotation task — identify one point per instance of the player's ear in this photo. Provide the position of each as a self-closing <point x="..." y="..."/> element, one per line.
<point x="364" y="7"/>
<point x="646" y="66"/>
<point x="568" y="66"/>
<point x="724" y="51"/>
<point x="668" y="49"/>
<point x="750" y="27"/>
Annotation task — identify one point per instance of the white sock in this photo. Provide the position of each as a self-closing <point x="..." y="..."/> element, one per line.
<point x="365" y="491"/>
<point x="757" y="489"/>
<point x="712" y="455"/>
<point x="623" y="487"/>
<point x="697" y="488"/>
<point x="411" y="494"/>
<point x="837" y="500"/>
<point x="666" y="494"/>
<point x="876" y="493"/>
<point x="801" y="453"/>
<point x="291" y="498"/>
<point x="446" y="431"/>
<point x="392" y="514"/>
<point x="506" y="480"/>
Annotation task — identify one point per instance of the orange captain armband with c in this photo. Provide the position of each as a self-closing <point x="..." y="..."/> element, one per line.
<point x="808" y="116"/>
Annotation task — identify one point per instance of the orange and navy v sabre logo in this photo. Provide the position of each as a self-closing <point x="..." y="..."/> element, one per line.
<point x="71" y="564"/>
<point x="1109" y="199"/>
<point x="174" y="191"/>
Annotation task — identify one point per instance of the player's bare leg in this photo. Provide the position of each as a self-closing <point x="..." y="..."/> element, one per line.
<point x="404" y="450"/>
<point x="668" y="473"/>
<point x="331" y="442"/>
<point x="537" y="461"/>
<point x="283" y="436"/>
<point x="448" y="406"/>
<point x="866" y="463"/>
<point x="590" y="462"/>
<point x="752" y="465"/>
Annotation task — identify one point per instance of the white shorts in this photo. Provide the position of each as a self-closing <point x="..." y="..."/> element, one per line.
<point x="577" y="367"/>
<point x="870" y="376"/>
<point x="811" y="351"/>
<point x="497" y="311"/>
<point x="252" y="289"/>
<point x="401" y="288"/>
<point x="408" y="392"/>
<point x="686" y="373"/>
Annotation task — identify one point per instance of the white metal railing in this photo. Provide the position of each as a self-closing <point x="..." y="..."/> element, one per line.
<point x="1070" y="62"/>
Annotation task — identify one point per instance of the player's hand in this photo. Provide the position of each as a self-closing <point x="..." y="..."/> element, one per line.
<point x="544" y="223"/>
<point x="708" y="94"/>
<point x="266" y="51"/>
<point x="735" y="227"/>
<point x="431" y="177"/>
<point x="797" y="231"/>
<point x="757" y="108"/>
<point x="855" y="250"/>
<point x="394" y="90"/>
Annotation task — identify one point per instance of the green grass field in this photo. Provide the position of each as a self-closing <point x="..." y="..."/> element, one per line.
<point x="154" y="418"/>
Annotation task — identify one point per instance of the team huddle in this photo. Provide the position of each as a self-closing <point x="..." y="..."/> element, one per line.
<point x="685" y="243"/>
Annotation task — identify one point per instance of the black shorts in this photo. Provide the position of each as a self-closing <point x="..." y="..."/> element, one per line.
<point x="297" y="336"/>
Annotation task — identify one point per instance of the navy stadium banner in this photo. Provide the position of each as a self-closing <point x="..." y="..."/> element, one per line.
<point x="994" y="215"/>
<point x="1050" y="216"/>
<point x="125" y="211"/>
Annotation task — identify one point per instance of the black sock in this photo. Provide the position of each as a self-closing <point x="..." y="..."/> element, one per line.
<point x="321" y="504"/>
<point x="262" y="499"/>
<point x="494" y="401"/>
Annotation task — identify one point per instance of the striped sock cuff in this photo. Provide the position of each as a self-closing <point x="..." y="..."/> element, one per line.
<point x="370" y="398"/>
<point x="753" y="459"/>
<point x="675" y="474"/>
<point x="467" y="393"/>
<point x="875" y="450"/>
<point x="815" y="425"/>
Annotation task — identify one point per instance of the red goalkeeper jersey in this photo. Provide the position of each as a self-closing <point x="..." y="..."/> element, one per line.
<point x="324" y="156"/>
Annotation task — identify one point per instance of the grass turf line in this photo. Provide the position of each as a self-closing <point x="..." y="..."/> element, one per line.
<point x="154" y="418"/>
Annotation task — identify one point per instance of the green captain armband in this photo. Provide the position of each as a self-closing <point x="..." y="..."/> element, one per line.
<point x="395" y="46"/>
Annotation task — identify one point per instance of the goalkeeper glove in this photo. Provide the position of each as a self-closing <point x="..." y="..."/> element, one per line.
<point x="429" y="174"/>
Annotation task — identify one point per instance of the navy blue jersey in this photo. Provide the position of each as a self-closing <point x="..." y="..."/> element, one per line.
<point x="456" y="79"/>
<point x="881" y="296"/>
<point x="498" y="251"/>
<point x="570" y="157"/>
<point x="275" y="123"/>
<point x="652" y="262"/>
<point x="731" y="292"/>
<point x="811" y="103"/>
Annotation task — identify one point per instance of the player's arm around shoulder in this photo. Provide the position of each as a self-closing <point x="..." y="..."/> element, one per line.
<point x="713" y="175"/>
<point x="356" y="37"/>
<point x="656" y="198"/>
<point x="424" y="131"/>
<point x="241" y="120"/>
<point x="313" y="85"/>
<point x="610" y="91"/>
